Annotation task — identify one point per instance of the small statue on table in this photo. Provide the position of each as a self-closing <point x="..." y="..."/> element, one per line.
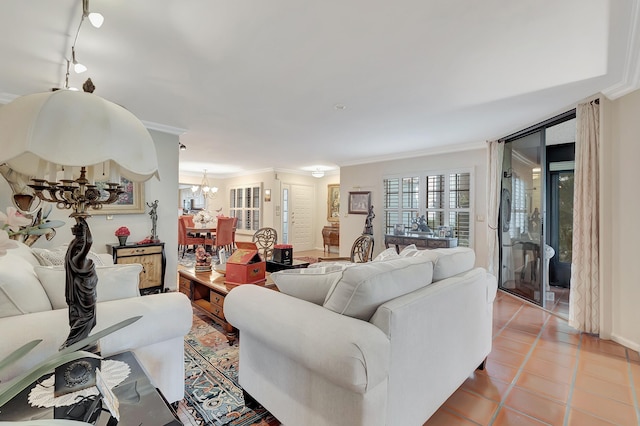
<point x="154" y="220"/>
<point x="368" y="222"/>
<point x="203" y="260"/>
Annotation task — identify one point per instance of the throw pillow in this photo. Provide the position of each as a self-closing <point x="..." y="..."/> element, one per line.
<point x="114" y="282"/>
<point x="56" y="256"/>
<point x="387" y="254"/>
<point x="452" y="261"/>
<point x="310" y="284"/>
<point x="364" y="287"/>
<point x="409" y="251"/>
<point x="20" y="290"/>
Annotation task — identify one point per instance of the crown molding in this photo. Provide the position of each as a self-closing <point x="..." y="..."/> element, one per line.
<point x="447" y="149"/>
<point x="631" y="72"/>
<point x="178" y="131"/>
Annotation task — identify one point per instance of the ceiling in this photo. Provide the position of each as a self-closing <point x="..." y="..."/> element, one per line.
<point x="291" y="85"/>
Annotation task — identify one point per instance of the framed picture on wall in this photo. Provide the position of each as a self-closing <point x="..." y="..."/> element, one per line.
<point x="333" y="203"/>
<point x="359" y="202"/>
<point x="132" y="201"/>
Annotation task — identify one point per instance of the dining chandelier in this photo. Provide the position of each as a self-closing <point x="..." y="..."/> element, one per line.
<point x="205" y="190"/>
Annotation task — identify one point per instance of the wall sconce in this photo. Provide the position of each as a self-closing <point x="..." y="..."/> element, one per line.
<point x="267" y="195"/>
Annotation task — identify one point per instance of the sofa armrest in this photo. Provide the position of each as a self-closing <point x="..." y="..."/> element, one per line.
<point x="346" y="351"/>
<point x="164" y="317"/>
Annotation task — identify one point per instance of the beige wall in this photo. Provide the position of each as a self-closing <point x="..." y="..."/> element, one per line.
<point x="369" y="177"/>
<point x="165" y="191"/>
<point x="620" y="217"/>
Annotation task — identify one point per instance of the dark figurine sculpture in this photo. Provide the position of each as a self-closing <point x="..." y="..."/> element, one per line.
<point x="154" y="219"/>
<point x="368" y="223"/>
<point x="81" y="282"/>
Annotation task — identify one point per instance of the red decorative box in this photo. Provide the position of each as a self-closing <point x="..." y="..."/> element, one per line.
<point x="245" y="266"/>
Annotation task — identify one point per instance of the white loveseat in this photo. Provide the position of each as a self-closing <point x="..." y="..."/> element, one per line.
<point x="390" y="342"/>
<point x="32" y="306"/>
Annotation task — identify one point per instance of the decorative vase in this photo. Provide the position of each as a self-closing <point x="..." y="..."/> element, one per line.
<point x="123" y="240"/>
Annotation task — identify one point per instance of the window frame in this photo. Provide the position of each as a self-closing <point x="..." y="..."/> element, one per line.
<point x="422" y="198"/>
<point x="247" y="211"/>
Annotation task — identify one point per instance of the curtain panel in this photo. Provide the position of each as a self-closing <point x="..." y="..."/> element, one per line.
<point x="584" y="295"/>
<point x="495" y="150"/>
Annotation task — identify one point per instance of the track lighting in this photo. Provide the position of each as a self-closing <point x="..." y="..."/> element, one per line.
<point x="95" y="18"/>
<point x="77" y="66"/>
<point x="182" y="146"/>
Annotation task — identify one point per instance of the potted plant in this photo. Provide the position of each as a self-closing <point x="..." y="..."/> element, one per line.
<point x="122" y="233"/>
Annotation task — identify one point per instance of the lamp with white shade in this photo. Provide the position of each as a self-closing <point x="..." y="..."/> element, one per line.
<point x="77" y="134"/>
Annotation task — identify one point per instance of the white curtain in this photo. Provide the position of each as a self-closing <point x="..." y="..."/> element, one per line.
<point x="495" y="150"/>
<point x="584" y="294"/>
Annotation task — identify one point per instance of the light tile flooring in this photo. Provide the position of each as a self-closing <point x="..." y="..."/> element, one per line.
<point x="543" y="372"/>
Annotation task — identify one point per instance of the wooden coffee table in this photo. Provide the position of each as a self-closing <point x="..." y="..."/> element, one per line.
<point x="207" y="291"/>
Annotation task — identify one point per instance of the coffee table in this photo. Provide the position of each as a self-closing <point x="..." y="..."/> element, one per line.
<point x="207" y="291"/>
<point x="277" y="266"/>
<point x="140" y="403"/>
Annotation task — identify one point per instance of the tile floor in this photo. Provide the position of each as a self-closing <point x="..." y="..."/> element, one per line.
<point x="543" y="372"/>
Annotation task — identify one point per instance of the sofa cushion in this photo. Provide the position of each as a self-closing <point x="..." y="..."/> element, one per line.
<point x="56" y="256"/>
<point x="114" y="282"/>
<point x="310" y="284"/>
<point x="447" y="262"/>
<point x="20" y="290"/>
<point x="387" y="254"/>
<point x="25" y="252"/>
<point x="363" y="287"/>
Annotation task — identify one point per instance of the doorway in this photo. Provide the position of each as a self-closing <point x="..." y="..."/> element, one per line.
<point x="297" y="217"/>
<point x="537" y="189"/>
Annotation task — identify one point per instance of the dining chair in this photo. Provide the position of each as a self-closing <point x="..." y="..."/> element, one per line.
<point x="225" y="234"/>
<point x="184" y="238"/>
<point x="265" y="239"/>
<point x="361" y="251"/>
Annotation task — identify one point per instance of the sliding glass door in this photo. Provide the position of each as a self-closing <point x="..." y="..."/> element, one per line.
<point x="522" y="216"/>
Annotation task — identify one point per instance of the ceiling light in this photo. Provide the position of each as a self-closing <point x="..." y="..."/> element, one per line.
<point x="95" y="18"/>
<point x="205" y="188"/>
<point x="182" y="146"/>
<point x="77" y="66"/>
<point x="317" y="173"/>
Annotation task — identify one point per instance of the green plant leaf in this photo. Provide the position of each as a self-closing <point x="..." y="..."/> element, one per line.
<point x="18" y="353"/>
<point x="70" y="353"/>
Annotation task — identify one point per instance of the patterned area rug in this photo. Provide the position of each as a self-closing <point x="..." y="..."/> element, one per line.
<point x="212" y="393"/>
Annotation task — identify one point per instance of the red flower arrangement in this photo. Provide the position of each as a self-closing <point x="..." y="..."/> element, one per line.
<point x="123" y="231"/>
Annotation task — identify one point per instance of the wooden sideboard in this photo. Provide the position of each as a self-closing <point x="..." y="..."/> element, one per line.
<point x="152" y="258"/>
<point x="330" y="237"/>
<point x="421" y="241"/>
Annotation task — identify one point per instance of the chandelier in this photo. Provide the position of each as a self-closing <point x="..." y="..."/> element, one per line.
<point x="205" y="190"/>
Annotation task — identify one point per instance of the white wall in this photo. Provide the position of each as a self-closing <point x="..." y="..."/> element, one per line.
<point x="620" y="149"/>
<point x="369" y="177"/>
<point x="165" y="191"/>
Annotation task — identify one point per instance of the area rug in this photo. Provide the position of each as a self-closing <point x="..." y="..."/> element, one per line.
<point x="212" y="393"/>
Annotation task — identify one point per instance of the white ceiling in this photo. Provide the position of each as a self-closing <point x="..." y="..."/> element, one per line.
<point x="254" y="84"/>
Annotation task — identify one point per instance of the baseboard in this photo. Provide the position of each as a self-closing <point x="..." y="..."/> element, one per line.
<point x="626" y="342"/>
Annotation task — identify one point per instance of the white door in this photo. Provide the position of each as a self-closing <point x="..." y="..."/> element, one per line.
<point x="300" y="217"/>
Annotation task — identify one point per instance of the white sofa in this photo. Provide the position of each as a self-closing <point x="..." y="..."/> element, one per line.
<point x="387" y="345"/>
<point x="32" y="306"/>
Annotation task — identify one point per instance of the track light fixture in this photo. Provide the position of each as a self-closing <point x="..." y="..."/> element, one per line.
<point x="95" y="18"/>
<point x="182" y="146"/>
<point x="77" y="66"/>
